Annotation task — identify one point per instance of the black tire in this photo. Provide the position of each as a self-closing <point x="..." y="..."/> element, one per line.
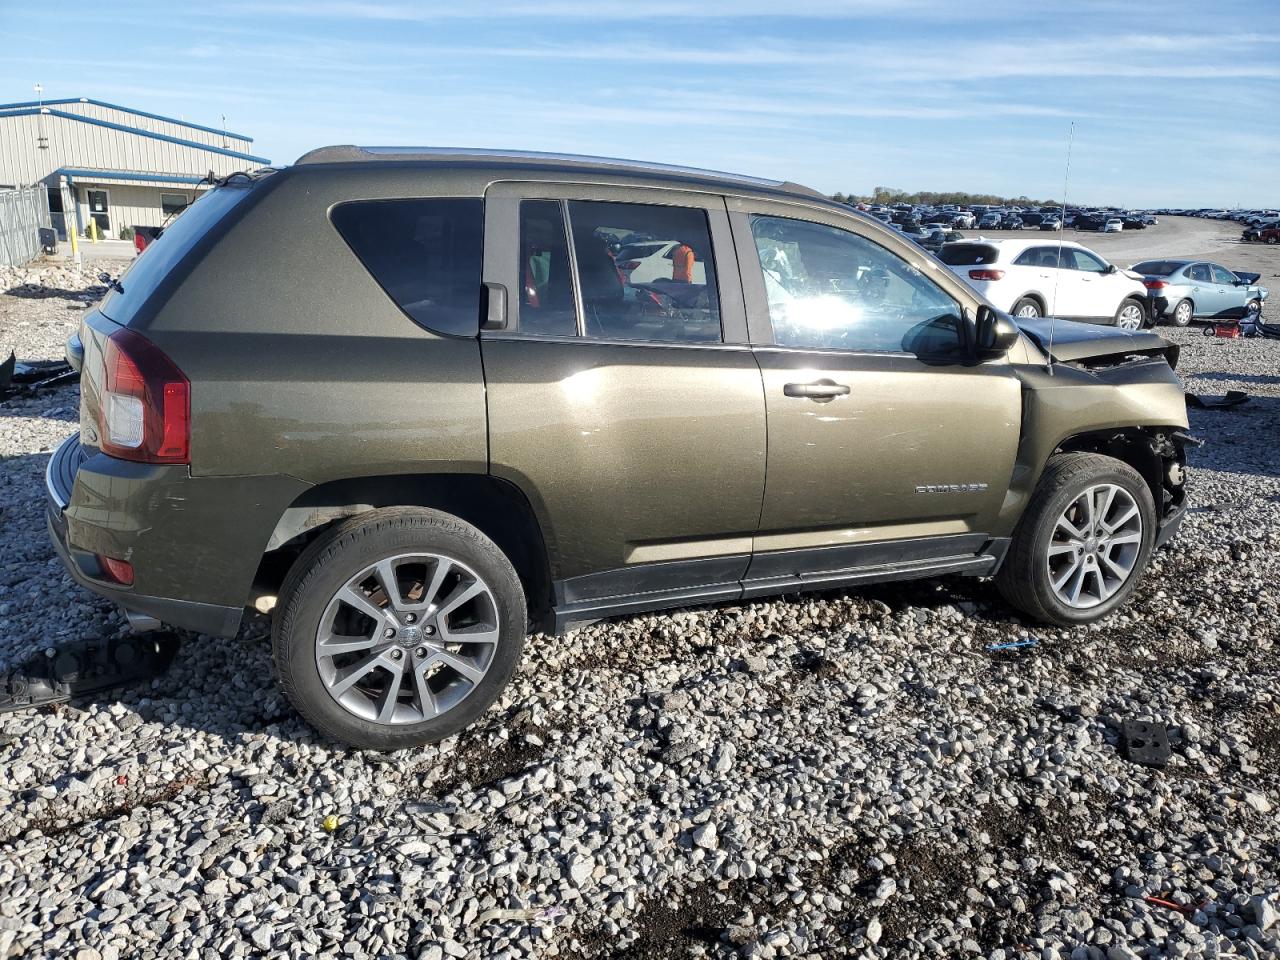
<point x="326" y="565"/>
<point x="1253" y="306"/>
<point x="1023" y="578"/>
<point x="1025" y="303"/>
<point x="1126" y="304"/>
<point x="1182" y="313"/>
<point x="1272" y="239"/>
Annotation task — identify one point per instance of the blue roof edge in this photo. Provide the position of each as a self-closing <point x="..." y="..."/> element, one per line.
<point x="123" y="109"/>
<point x="73" y="172"/>
<point x="223" y="151"/>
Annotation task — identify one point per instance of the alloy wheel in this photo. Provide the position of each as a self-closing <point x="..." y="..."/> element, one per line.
<point x="1130" y="317"/>
<point x="407" y="638"/>
<point x="1027" y="310"/>
<point x="1182" y="314"/>
<point x="1095" y="546"/>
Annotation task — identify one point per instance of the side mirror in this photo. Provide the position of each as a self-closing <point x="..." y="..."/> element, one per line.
<point x="996" y="334"/>
<point x="1111" y="268"/>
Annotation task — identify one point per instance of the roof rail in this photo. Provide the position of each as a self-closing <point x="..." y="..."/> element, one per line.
<point x="347" y="153"/>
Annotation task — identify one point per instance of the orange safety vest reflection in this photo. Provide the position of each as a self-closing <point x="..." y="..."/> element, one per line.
<point x="682" y="260"/>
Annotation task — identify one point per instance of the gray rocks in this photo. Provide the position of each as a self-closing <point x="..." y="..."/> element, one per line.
<point x="830" y="774"/>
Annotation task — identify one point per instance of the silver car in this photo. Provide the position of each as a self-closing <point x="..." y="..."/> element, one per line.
<point x="1183" y="289"/>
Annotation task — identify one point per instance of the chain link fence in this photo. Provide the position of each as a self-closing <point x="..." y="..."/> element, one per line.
<point x="22" y="213"/>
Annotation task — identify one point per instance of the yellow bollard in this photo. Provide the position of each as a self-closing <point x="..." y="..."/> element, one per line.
<point x="93" y="230"/>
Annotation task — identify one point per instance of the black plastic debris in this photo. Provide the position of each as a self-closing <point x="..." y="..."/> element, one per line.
<point x="34" y="375"/>
<point x="1145" y="743"/>
<point x="76" y="668"/>
<point x="1233" y="398"/>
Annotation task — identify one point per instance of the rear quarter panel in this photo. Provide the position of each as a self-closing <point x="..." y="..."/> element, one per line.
<point x="300" y="363"/>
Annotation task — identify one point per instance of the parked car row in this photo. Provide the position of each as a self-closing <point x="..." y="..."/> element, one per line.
<point x="1030" y="278"/>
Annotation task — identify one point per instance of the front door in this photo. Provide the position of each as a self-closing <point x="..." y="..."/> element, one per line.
<point x="626" y="403"/>
<point x="879" y="432"/>
<point x="1228" y="299"/>
<point x="100" y="210"/>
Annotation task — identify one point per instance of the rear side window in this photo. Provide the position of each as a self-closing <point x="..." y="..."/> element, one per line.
<point x="968" y="254"/>
<point x="668" y="294"/>
<point x="426" y="255"/>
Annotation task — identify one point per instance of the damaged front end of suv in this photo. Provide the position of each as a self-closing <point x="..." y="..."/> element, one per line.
<point x="1113" y="392"/>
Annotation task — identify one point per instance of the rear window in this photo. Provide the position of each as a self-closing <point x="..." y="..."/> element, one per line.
<point x="1156" y="268"/>
<point x="426" y="255"/>
<point x="968" y="254"/>
<point x="149" y="269"/>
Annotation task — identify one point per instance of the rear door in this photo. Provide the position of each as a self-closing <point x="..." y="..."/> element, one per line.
<point x="883" y="443"/>
<point x="630" y="413"/>
<point x="1202" y="292"/>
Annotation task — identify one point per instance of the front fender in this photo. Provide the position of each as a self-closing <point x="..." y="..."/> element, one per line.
<point x="1068" y="400"/>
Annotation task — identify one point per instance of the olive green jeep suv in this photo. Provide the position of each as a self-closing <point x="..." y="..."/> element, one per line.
<point x="416" y="403"/>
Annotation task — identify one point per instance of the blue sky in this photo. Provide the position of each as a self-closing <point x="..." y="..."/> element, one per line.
<point x="1176" y="103"/>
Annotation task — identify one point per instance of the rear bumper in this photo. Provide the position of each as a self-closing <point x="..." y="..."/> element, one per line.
<point x="79" y="533"/>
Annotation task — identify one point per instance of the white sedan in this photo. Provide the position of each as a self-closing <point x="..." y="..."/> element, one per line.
<point x="1113" y="225"/>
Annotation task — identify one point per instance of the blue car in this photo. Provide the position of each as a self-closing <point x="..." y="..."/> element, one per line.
<point x="1181" y="290"/>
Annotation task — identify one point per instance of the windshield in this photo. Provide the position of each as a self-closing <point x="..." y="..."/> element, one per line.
<point x="967" y="254"/>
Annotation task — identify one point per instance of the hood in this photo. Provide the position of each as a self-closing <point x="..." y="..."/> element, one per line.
<point x="1249" y="278"/>
<point x="1073" y="341"/>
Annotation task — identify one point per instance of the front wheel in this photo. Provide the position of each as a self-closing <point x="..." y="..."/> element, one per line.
<point x="1081" y="547"/>
<point x="398" y="627"/>
<point x="1254" y="306"/>
<point x="1131" y="315"/>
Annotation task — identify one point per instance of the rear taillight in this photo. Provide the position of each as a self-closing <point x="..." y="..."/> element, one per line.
<point x="1155" y="284"/>
<point x="986" y="274"/>
<point x="145" y="414"/>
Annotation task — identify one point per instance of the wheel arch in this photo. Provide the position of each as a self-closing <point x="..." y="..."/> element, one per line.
<point x="499" y="509"/>
<point x="1155" y="454"/>
<point x="1032" y="295"/>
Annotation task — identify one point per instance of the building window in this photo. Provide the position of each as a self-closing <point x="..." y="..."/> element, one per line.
<point x="171" y="203"/>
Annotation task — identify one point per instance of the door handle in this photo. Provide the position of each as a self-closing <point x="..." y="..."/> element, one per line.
<point x="822" y="391"/>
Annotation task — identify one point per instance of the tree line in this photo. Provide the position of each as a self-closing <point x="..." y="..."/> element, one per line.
<point x="887" y="195"/>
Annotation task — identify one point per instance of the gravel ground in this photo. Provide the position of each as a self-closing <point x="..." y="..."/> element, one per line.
<point x="849" y="773"/>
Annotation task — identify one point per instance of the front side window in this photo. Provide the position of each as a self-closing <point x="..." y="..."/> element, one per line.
<point x="645" y="272"/>
<point x="426" y="255"/>
<point x="1223" y="275"/>
<point x="829" y="288"/>
<point x="1087" y="262"/>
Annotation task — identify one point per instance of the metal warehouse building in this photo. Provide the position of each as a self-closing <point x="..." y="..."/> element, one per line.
<point x="119" y="166"/>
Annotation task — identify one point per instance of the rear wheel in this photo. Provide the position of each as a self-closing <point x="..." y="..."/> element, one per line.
<point x="1027" y="307"/>
<point x="398" y="627"/>
<point x="1131" y="315"/>
<point x="1182" y="313"/>
<point x="1273" y="239"/>
<point x="1081" y="547"/>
